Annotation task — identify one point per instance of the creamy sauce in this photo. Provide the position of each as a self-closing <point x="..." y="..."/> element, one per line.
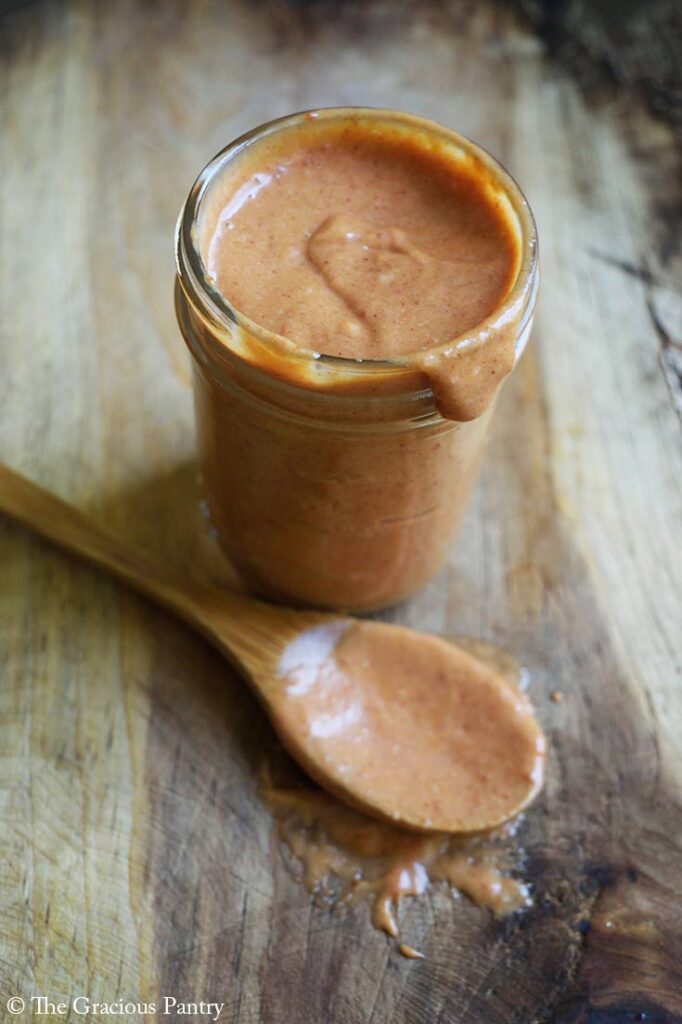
<point x="347" y="858"/>
<point x="409" y="726"/>
<point x="496" y="659"/>
<point x="353" y="241"/>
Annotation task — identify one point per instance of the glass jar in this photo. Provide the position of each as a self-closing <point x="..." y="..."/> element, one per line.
<point x="330" y="482"/>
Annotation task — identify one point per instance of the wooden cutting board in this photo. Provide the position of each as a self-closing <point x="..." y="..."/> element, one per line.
<point x="137" y="859"/>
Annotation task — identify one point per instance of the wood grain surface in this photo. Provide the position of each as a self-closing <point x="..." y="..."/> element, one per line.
<point x="137" y="859"/>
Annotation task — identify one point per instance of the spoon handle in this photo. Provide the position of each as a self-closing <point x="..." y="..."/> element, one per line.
<point x="238" y="625"/>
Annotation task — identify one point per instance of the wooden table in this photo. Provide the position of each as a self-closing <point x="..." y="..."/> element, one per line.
<point x="137" y="859"/>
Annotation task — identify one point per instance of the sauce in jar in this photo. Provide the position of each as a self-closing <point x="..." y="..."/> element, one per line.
<point x="355" y="285"/>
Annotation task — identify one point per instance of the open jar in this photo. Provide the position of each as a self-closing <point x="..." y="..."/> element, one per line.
<point x="332" y="482"/>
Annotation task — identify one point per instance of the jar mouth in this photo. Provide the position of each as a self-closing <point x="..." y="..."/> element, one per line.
<point x="221" y="316"/>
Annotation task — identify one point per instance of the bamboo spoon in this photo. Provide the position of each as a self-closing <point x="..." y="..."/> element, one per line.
<point x="401" y="725"/>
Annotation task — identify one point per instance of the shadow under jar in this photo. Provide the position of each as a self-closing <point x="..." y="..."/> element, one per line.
<point x="337" y="482"/>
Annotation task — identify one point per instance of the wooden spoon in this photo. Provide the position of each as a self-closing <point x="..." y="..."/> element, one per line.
<point x="401" y="725"/>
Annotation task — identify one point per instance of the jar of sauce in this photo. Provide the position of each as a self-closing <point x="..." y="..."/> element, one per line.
<point x="354" y="286"/>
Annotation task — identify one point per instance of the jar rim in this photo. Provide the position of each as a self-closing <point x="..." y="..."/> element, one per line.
<point x="223" y="316"/>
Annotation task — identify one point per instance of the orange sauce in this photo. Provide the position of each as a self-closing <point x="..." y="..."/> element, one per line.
<point x="408" y="726"/>
<point x="346" y="858"/>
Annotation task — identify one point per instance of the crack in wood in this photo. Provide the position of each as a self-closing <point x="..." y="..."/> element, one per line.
<point x="670" y="347"/>
<point x="670" y="356"/>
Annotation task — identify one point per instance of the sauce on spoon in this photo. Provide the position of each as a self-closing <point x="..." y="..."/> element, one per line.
<point x="409" y="727"/>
